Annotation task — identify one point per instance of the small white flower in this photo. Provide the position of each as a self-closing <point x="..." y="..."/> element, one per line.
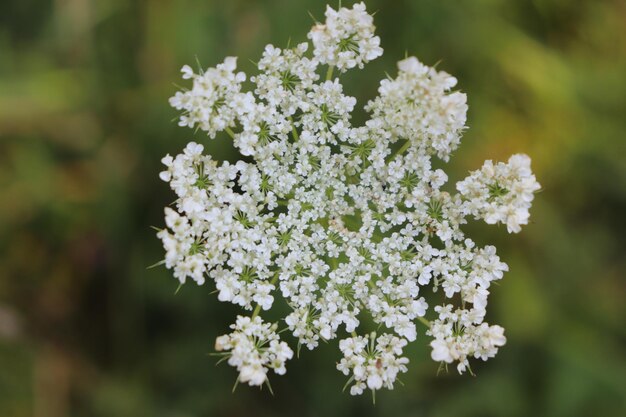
<point x="187" y="72"/>
<point x="441" y="351"/>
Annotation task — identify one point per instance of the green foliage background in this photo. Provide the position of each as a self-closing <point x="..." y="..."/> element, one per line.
<point x="86" y="330"/>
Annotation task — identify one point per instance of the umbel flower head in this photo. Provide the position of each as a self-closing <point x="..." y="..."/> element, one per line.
<point x="346" y="225"/>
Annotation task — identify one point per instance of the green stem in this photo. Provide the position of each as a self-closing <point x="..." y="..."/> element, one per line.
<point x="400" y="151"/>
<point x="329" y="73"/>
<point x="293" y="130"/>
<point x="230" y="132"/>
<point x="353" y="334"/>
<point x="256" y="311"/>
<point x="424" y="321"/>
<point x="333" y="263"/>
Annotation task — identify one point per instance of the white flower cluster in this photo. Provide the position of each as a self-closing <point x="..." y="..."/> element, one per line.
<point x="460" y="334"/>
<point x="348" y="225"/>
<point x="373" y="362"/>
<point x="252" y="348"/>
<point x="215" y="100"/>
<point x="501" y="193"/>
<point x="346" y="39"/>
<point x="417" y="106"/>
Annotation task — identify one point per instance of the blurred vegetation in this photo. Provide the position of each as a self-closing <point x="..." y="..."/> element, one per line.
<point x="86" y="330"/>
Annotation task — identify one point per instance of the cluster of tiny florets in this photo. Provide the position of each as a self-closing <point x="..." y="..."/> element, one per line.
<point x="215" y="101"/>
<point x="345" y="226"/>
<point x="418" y="106"/>
<point x="346" y="39"/>
<point x="254" y="347"/>
<point x="501" y="193"/>
<point x="373" y="362"/>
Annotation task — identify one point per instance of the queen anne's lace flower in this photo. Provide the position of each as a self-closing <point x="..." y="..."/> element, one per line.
<point x="252" y="348"/>
<point x="346" y="39"/>
<point x="373" y="362"/>
<point x="501" y="193"/>
<point x="417" y="105"/>
<point x="460" y="334"/>
<point x="347" y="224"/>
<point x="215" y="99"/>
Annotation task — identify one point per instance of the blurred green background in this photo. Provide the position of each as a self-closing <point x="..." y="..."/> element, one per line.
<point x="86" y="330"/>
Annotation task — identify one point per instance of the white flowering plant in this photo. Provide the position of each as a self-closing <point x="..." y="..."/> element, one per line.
<point x="344" y="226"/>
